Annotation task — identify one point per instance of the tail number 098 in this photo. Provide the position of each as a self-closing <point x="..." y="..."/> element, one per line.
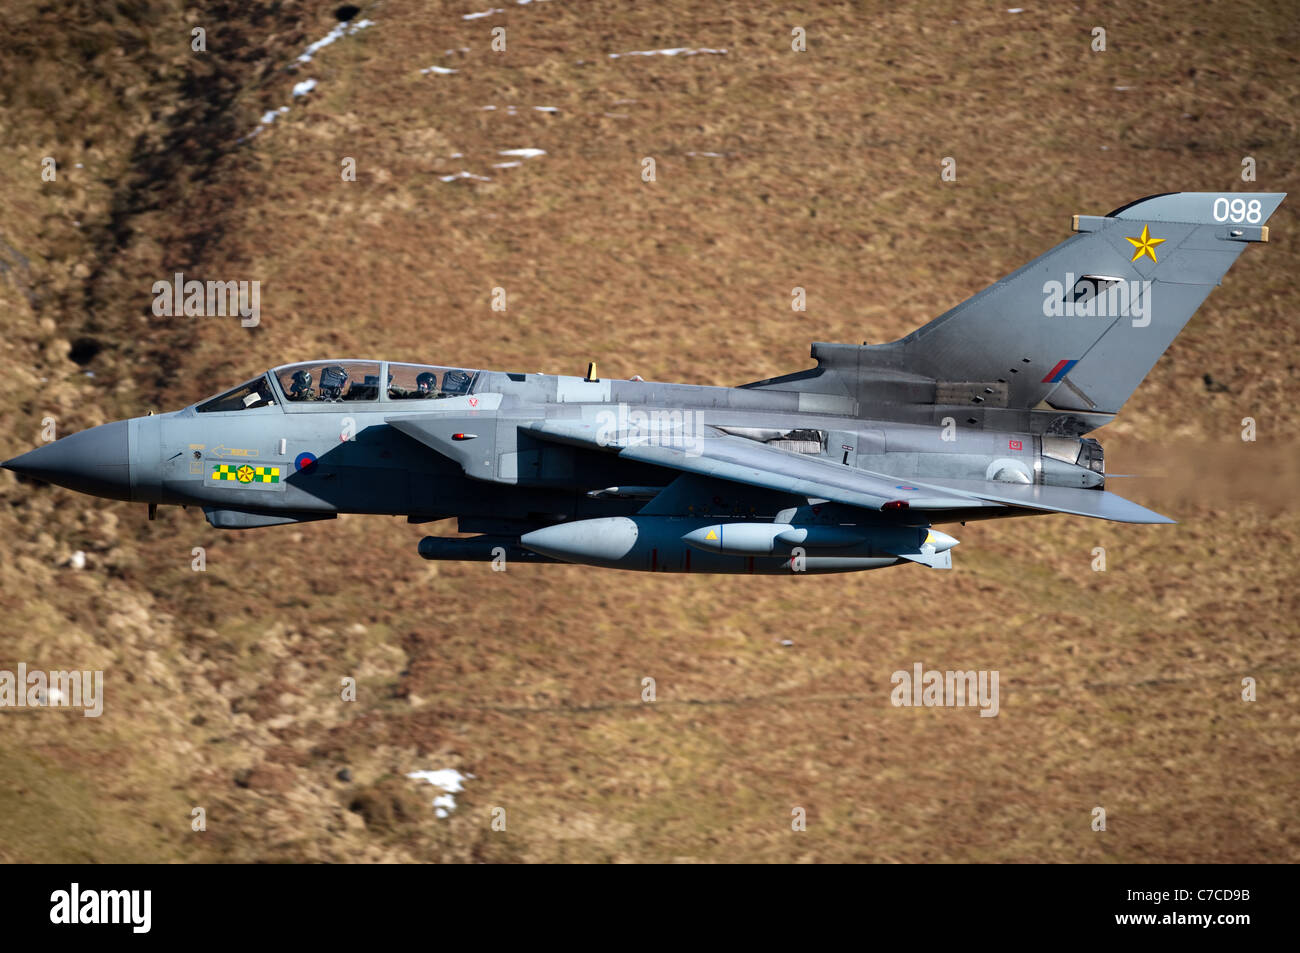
<point x="1237" y="210"/>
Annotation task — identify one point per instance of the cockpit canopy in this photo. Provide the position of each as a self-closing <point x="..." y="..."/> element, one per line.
<point x="329" y="381"/>
<point x="256" y="393"/>
<point x="313" y="383"/>
<point x="359" y="380"/>
<point x="423" y="381"/>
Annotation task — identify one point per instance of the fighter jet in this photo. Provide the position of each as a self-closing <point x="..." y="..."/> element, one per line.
<point x="849" y="465"/>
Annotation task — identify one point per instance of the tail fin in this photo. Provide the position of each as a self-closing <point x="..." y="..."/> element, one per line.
<point x="1061" y="343"/>
<point x="1079" y="327"/>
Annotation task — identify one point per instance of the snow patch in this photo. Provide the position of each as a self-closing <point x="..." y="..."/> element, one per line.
<point x="307" y="85"/>
<point x="449" y="781"/>
<point x="675" y="51"/>
<point x="487" y="13"/>
<point x="343" y="29"/>
<point x="514" y="110"/>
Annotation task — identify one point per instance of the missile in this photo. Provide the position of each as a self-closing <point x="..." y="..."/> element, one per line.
<point x="675" y="544"/>
<point x="765" y="539"/>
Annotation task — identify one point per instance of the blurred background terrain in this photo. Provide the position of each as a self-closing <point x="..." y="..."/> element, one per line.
<point x="775" y="169"/>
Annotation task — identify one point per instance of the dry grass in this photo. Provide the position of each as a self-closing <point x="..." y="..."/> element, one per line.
<point x="1119" y="689"/>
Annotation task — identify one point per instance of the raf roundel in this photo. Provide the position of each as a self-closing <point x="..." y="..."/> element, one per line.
<point x="304" y="461"/>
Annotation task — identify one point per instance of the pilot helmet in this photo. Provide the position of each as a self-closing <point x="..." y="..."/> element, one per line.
<point x="426" y="383"/>
<point x="455" y="382"/>
<point x="332" y="381"/>
<point x="301" y="385"/>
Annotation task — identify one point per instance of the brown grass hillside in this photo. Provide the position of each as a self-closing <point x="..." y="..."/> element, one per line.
<point x="1119" y="689"/>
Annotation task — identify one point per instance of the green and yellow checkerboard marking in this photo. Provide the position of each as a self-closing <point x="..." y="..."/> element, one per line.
<point x="243" y="473"/>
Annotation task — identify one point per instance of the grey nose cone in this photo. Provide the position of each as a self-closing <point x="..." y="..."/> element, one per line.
<point x="95" y="461"/>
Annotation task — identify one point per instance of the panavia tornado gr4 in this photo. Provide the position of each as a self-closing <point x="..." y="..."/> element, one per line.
<point x="981" y="414"/>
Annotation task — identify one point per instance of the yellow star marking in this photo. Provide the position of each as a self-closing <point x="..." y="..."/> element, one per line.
<point x="1145" y="245"/>
<point x="244" y="474"/>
